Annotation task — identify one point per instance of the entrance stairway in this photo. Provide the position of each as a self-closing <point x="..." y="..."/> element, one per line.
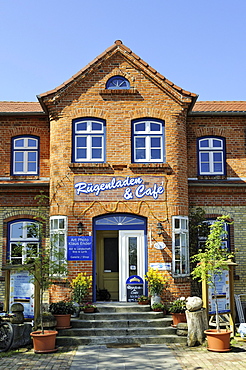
<point x="120" y="323"/>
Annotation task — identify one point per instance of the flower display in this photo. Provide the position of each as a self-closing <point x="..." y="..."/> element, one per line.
<point x="178" y="306"/>
<point x="81" y="285"/>
<point x="156" y="281"/>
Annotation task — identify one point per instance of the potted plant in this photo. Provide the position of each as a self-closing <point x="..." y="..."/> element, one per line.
<point x="45" y="266"/>
<point x="157" y="307"/>
<point x="62" y="311"/>
<point x="89" y="307"/>
<point x="211" y="262"/>
<point x="143" y="300"/>
<point x="80" y="287"/>
<point x="177" y="309"/>
<point x="156" y="282"/>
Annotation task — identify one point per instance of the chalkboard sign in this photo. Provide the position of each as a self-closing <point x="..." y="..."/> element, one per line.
<point x="134" y="288"/>
<point x="133" y="292"/>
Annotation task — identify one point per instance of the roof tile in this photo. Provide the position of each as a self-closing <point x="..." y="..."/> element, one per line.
<point x="20" y="107"/>
<point x="219" y="106"/>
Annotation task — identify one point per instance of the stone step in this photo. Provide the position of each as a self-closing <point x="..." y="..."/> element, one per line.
<point x="122" y="307"/>
<point x="160" y="322"/>
<point x="104" y="332"/>
<point x="121" y="316"/>
<point x="139" y="339"/>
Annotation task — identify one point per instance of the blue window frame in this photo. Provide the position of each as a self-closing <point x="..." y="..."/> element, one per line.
<point x="23" y="240"/>
<point x="148" y="141"/>
<point x="211" y="156"/>
<point x="117" y="82"/>
<point x="89" y="140"/>
<point x="25" y="155"/>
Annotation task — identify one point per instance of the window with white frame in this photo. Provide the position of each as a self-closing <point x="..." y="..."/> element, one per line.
<point x="58" y="239"/>
<point x="180" y="247"/>
<point x="225" y="238"/>
<point x="89" y="140"/>
<point x="25" y="153"/>
<point x="148" y="141"/>
<point x="211" y="156"/>
<point x="23" y="241"/>
<point x="117" y="82"/>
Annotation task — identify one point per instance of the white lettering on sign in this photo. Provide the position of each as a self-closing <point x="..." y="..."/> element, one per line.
<point x="139" y="192"/>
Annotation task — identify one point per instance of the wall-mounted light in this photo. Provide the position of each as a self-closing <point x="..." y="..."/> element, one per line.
<point x="80" y="228"/>
<point x="160" y="229"/>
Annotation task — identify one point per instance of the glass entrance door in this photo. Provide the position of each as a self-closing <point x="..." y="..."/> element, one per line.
<point x="131" y="257"/>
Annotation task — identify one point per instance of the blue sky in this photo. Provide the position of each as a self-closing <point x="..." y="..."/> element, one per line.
<point x="200" y="45"/>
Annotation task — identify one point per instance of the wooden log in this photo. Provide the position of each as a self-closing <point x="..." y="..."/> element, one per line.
<point x="197" y="322"/>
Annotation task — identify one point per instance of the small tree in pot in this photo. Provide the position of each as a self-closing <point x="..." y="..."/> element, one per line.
<point x="45" y="265"/>
<point x="213" y="260"/>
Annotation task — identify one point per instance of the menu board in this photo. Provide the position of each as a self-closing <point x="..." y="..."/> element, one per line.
<point x="22" y="291"/>
<point x="223" y="294"/>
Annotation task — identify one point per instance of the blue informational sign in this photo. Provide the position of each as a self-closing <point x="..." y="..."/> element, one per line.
<point x="79" y="248"/>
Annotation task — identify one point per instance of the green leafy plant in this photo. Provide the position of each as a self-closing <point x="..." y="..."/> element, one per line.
<point x="213" y="259"/>
<point x="80" y="287"/>
<point x="46" y="264"/>
<point x="143" y="298"/>
<point x="62" y="308"/>
<point x="157" y="306"/>
<point x="89" y="305"/>
<point x="178" y="306"/>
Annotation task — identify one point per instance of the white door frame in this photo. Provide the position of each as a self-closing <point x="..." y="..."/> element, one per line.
<point x="124" y="258"/>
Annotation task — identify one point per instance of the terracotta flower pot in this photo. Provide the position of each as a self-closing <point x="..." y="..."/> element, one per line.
<point x="89" y="310"/>
<point x="144" y="302"/>
<point x="63" y="321"/>
<point x="178" y="317"/>
<point x="218" y="341"/>
<point x="44" y="343"/>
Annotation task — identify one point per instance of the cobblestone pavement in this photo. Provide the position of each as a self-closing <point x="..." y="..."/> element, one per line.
<point x="25" y="358"/>
<point x="197" y="358"/>
<point x="189" y="358"/>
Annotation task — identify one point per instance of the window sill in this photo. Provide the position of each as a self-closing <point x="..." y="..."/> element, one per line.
<point x="151" y="167"/>
<point x="93" y="167"/>
<point x="181" y="279"/>
<point x="118" y="91"/>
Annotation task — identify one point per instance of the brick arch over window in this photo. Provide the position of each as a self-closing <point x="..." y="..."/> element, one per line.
<point x="89" y="112"/>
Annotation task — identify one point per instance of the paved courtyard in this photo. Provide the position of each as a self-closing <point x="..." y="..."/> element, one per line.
<point x="173" y="356"/>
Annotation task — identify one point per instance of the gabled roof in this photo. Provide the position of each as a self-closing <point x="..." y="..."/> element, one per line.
<point x="218" y="107"/>
<point x="119" y="46"/>
<point x="13" y="107"/>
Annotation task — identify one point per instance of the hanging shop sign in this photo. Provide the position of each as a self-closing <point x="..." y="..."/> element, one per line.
<point x="22" y="291"/>
<point x="161" y="266"/>
<point x="223" y="294"/>
<point x="79" y="248"/>
<point x="91" y="188"/>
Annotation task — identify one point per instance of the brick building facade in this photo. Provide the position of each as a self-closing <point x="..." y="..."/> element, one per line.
<point x="123" y="153"/>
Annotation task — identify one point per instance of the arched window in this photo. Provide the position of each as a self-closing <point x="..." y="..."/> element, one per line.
<point x="25" y="153"/>
<point x="148" y="141"/>
<point x="23" y="241"/>
<point x="211" y="156"/>
<point x="117" y="82"/>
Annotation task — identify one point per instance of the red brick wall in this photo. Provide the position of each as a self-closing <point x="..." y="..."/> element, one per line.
<point x="87" y="98"/>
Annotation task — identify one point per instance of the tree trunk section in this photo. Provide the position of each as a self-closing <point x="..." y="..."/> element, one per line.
<point x="197" y="322"/>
